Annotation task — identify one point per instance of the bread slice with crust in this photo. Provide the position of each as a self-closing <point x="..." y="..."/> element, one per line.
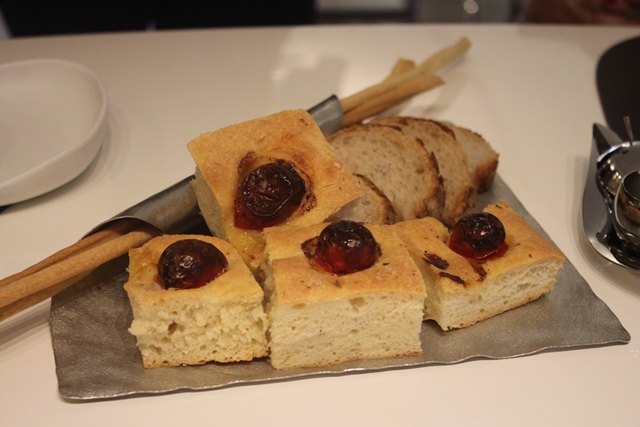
<point x="482" y="159"/>
<point x="461" y="292"/>
<point x="372" y="207"/>
<point x="397" y="164"/>
<point x="452" y="161"/>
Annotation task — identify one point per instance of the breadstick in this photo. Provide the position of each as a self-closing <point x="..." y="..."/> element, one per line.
<point x="31" y="300"/>
<point x="109" y="233"/>
<point x="431" y="65"/>
<point x="390" y="98"/>
<point x="444" y="57"/>
<point x="401" y="66"/>
<point x="74" y="266"/>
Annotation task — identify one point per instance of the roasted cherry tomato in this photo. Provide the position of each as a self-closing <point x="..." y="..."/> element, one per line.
<point x="190" y="263"/>
<point x="268" y="195"/>
<point x="478" y="236"/>
<point x="345" y="247"/>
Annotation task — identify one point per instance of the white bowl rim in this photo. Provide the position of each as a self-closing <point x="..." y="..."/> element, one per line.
<point x="96" y="127"/>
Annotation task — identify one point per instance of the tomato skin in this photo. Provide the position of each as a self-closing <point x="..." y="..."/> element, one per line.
<point x="190" y="263"/>
<point x="343" y="247"/>
<point x="268" y="195"/>
<point x="479" y="236"/>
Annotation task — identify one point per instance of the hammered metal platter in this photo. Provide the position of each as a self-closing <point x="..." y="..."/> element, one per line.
<point x="96" y="357"/>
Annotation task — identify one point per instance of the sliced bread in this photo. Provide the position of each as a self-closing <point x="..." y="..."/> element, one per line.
<point x="397" y="164"/>
<point x="372" y="207"/>
<point x="452" y="161"/>
<point x="482" y="159"/>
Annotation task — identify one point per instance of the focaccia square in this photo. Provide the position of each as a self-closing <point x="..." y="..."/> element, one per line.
<point x="318" y="318"/>
<point x="222" y="321"/>
<point x="461" y="292"/>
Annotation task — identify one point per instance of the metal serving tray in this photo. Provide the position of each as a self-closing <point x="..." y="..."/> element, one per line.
<point x="96" y="357"/>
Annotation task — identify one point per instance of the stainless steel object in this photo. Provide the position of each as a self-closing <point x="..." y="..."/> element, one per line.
<point x="611" y="161"/>
<point x="172" y="210"/>
<point x="626" y="213"/>
<point x="328" y="115"/>
<point x="630" y="196"/>
<point x="617" y="159"/>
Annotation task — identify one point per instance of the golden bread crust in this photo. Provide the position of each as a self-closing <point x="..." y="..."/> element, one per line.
<point x="525" y="244"/>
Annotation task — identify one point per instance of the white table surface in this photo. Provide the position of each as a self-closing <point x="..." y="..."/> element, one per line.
<point x="529" y="90"/>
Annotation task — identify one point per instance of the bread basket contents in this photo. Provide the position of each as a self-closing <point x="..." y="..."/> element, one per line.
<point x="194" y="300"/>
<point x="353" y="241"/>
<point x="340" y="292"/>
<point x="491" y="262"/>
<point x="322" y="250"/>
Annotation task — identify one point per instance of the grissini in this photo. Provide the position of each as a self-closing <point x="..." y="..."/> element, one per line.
<point x="430" y="66"/>
<point x="20" y="294"/>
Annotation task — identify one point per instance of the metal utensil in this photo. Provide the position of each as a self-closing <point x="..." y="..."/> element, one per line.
<point x="617" y="159"/>
<point x="610" y="162"/>
<point x="626" y="213"/>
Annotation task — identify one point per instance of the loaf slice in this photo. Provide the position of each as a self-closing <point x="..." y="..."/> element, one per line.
<point x="372" y="207"/>
<point x="222" y="321"/>
<point x="224" y="157"/>
<point x="461" y="292"/>
<point x="319" y="319"/>
<point x="397" y="164"/>
<point x="452" y="162"/>
<point x="482" y="159"/>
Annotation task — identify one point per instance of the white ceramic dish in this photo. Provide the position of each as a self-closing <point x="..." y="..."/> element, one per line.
<point x="52" y="124"/>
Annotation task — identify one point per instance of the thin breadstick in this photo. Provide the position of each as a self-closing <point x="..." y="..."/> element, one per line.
<point x="390" y="98"/>
<point x="111" y="232"/>
<point x="444" y="57"/>
<point x="74" y="266"/>
<point x="431" y="65"/>
<point x="31" y="300"/>
<point x="401" y="66"/>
